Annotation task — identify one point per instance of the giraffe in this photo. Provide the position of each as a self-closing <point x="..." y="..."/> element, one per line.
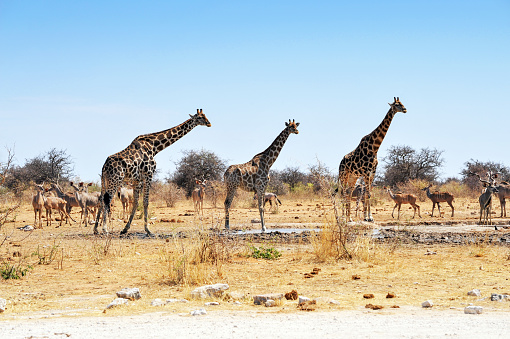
<point x="362" y="162"/>
<point x="253" y="176"/>
<point x="135" y="165"/>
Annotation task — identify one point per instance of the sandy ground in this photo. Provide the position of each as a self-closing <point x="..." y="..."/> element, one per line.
<point x="412" y="323"/>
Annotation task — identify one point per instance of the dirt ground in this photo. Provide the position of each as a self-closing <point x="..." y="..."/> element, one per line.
<point x="76" y="274"/>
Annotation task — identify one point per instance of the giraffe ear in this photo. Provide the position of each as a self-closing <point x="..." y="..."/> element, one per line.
<point x="297" y="124"/>
<point x="389" y="104"/>
<point x="286" y="124"/>
<point x="191" y="116"/>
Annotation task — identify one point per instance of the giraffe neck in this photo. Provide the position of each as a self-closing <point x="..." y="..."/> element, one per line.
<point x="377" y="136"/>
<point x="158" y="141"/>
<point x="268" y="157"/>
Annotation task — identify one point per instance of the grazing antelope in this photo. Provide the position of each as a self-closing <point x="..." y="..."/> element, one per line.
<point x="485" y="198"/>
<point x="269" y="197"/>
<point x="198" y="196"/>
<point x="38" y="203"/>
<point x="438" y="197"/>
<point x="71" y="200"/>
<point x="400" y="199"/>
<point x="55" y="203"/>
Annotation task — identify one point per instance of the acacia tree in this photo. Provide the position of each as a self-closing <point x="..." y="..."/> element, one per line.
<point x="201" y="165"/>
<point x="51" y="166"/>
<point x="403" y="163"/>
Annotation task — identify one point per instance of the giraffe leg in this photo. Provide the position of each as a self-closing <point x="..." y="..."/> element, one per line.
<point x="231" y="191"/>
<point x="368" y="196"/>
<point x="260" y="198"/>
<point x="136" y="194"/>
<point x="146" y="191"/>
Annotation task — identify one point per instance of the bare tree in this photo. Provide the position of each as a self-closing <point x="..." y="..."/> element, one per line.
<point x="475" y="166"/>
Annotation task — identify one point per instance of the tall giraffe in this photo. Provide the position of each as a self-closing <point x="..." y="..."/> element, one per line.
<point x="135" y="165"/>
<point x="362" y="162"/>
<point x="253" y="176"/>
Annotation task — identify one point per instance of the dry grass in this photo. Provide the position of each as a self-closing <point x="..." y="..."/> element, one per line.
<point x="86" y="271"/>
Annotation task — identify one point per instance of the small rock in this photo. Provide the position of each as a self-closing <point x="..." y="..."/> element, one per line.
<point x="475" y="293"/>
<point x="303" y="300"/>
<point x="209" y="291"/>
<point x="473" y="310"/>
<point x="334" y="302"/>
<point x="129" y="293"/>
<point x="427" y="304"/>
<point x="374" y="307"/>
<point x="3" y="305"/>
<point x="27" y="228"/>
<point x="368" y="296"/>
<point x="212" y="303"/>
<point x="270" y="303"/>
<point x="499" y="297"/>
<point x="117" y="302"/>
<point x="307" y="305"/>
<point x="261" y="299"/>
<point x="356" y="277"/>
<point x="201" y="311"/>
<point x="390" y="295"/>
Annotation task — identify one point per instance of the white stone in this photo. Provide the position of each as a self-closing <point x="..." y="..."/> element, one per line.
<point x="129" y="293"/>
<point x="262" y="298"/>
<point x="499" y="297"/>
<point x="201" y="311"/>
<point x="3" y="305"/>
<point x="270" y="303"/>
<point x="475" y="293"/>
<point x="334" y="302"/>
<point x="117" y="302"/>
<point x="427" y="303"/>
<point x="473" y="310"/>
<point x="27" y="228"/>
<point x="302" y="300"/>
<point x="209" y="291"/>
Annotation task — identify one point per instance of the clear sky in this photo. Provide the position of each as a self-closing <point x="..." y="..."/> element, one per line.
<point x="89" y="76"/>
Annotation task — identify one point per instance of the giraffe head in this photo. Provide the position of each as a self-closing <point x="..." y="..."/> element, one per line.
<point x="200" y="118"/>
<point x="397" y="106"/>
<point x="292" y="126"/>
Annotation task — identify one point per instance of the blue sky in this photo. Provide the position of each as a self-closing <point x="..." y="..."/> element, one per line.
<point x="90" y="76"/>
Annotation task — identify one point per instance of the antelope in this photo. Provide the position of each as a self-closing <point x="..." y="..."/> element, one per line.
<point x="198" y="196"/>
<point x="485" y="198"/>
<point x="87" y="200"/>
<point x="71" y="200"/>
<point x="38" y="203"/>
<point x="55" y="203"/>
<point x="125" y="195"/>
<point x="400" y="199"/>
<point x="438" y="197"/>
<point x="269" y="197"/>
<point x="357" y="195"/>
<point x="503" y="192"/>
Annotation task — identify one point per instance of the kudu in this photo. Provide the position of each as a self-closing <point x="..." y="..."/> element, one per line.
<point x="125" y="195"/>
<point x="485" y="198"/>
<point x="400" y="199"/>
<point x="71" y="200"/>
<point x="503" y="193"/>
<point x="87" y="200"/>
<point x="438" y="197"/>
<point x="198" y="196"/>
<point x="38" y="203"/>
<point x="271" y="198"/>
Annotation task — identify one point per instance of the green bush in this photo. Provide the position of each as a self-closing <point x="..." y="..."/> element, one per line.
<point x="264" y="253"/>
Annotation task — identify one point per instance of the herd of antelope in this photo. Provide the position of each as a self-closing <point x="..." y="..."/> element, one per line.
<point x="88" y="202"/>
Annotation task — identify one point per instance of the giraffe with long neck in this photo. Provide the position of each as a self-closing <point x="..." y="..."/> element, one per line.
<point x="362" y="162"/>
<point x="253" y="175"/>
<point x="135" y="165"/>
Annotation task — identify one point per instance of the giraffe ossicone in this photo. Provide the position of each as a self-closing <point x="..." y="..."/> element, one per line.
<point x="135" y="165"/>
<point x="253" y="175"/>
